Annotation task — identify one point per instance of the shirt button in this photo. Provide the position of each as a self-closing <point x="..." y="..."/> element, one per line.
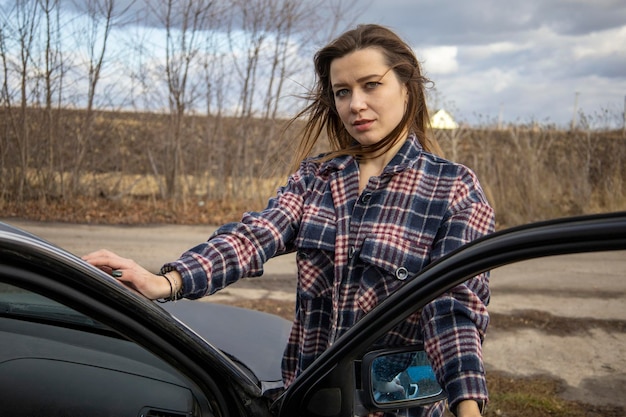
<point x="402" y="273"/>
<point x="365" y="198"/>
<point x="302" y="255"/>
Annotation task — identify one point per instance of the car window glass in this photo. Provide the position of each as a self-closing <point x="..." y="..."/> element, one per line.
<point x="18" y="302"/>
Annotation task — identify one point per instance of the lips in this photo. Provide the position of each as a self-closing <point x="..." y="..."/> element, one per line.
<point x="362" y="124"/>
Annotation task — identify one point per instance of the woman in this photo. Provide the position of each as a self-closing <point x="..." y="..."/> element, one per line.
<point x="363" y="218"/>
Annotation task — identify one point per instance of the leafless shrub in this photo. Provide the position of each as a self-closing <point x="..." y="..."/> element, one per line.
<point x="535" y="173"/>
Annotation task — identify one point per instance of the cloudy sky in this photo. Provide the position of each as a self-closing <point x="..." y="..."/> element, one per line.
<point x="521" y="61"/>
<point x="543" y="61"/>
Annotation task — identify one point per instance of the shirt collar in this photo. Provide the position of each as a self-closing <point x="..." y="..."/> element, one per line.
<point x="407" y="155"/>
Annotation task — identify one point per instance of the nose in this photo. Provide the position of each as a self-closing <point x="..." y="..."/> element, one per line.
<point x="357" y="101"/>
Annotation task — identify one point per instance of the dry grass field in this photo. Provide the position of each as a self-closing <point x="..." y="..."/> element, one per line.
<point x="129" y="171"/>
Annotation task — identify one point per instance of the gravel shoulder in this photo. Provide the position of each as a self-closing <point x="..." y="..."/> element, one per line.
<point x="562" y="317"/>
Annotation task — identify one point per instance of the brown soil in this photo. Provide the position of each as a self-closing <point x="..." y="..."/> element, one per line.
<point x="127" y="211"/>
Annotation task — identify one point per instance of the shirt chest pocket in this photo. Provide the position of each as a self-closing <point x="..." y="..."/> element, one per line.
<point x="388" y="261"/>
<point x="315" y="253"/>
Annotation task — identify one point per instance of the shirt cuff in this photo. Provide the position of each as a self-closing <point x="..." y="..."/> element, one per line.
<point x="467" y="386"/>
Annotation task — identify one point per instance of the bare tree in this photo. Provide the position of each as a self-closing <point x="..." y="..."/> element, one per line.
<point x="216" y="82"/>
<point x="183" y="21"/>
<point x="19" y="28"/>
<point x="260" y="36"/>
<point x="285" y="17"/>
<point x="5" y="100"/>
<point x="265" y="38"/>
<point x="52" y="74"/>
<point x="103" y="16"/>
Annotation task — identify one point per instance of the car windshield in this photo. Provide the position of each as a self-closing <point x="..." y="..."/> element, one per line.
<point x="19" y="303"/>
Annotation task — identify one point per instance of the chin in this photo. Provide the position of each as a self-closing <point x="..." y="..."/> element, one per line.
<point x="366" y="139"/>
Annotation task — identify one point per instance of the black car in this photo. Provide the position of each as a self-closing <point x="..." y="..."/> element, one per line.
<point x="74" y="341"/>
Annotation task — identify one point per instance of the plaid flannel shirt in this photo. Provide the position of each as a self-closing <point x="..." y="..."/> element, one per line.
<point x="355" y="249"/>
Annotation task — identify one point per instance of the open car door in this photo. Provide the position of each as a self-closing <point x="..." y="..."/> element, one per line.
<point x="340" y="382"/>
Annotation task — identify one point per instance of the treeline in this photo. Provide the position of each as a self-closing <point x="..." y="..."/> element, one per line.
<point x="188" y="98"/>
<point x="225" y="61"/>
<point x="128" y="154"/>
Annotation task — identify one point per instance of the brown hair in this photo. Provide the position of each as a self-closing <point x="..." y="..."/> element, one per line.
<point x="322" y="113"/>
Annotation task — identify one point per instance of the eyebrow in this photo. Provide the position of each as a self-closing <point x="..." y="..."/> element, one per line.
<point x="362" y="79"/>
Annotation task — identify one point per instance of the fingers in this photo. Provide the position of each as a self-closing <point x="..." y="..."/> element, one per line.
<point x="107" y="259"/>
<point x="129" y="273"/>
<point x="121" y="268"/>
<point x="110" y="263"/>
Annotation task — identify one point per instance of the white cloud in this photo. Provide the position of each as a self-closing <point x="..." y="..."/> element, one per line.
<point x="440" y="59"/>
<point x="600" y="44"/>
<point x="489" y="51"/>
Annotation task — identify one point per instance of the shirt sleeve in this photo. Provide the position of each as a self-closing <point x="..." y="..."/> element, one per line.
<point x="455" y="323"/>
<point x="238" y="250"/>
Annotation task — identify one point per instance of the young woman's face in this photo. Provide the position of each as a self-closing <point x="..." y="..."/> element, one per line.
<point x="370" y="99"/>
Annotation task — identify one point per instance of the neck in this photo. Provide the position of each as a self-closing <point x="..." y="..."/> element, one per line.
<point x="380" y="161"/>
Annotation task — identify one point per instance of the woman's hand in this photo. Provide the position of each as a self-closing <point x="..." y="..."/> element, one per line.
<point x="132" y="274"/>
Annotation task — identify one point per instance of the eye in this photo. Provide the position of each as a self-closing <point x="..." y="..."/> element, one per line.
<point x="342" y="93"/>
<point x="372" y="84"/>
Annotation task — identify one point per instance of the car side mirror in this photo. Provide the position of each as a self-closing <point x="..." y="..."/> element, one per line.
<point x="399" y="378"/>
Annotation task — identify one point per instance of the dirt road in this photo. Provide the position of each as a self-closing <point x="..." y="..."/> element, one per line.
<point x="564" y="317"/>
